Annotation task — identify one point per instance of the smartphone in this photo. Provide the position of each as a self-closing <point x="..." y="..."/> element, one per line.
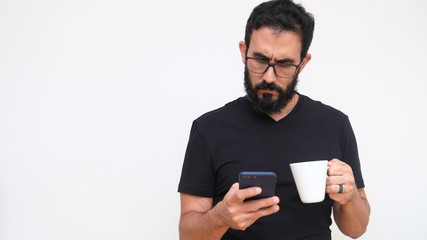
<point x="265" y="180"/>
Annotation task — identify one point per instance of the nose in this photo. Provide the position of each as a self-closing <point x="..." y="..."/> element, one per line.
<point x="269" y="75"/>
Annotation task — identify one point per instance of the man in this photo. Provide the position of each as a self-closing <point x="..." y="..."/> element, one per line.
<point x="272" y="126"/>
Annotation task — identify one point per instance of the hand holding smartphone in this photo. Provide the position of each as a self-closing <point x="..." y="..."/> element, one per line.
<point x="265" y="180"/>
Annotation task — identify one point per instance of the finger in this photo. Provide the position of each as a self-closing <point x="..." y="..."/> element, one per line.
<point x="256" y="205"/>
<point x="234" y="187"/>
<point x="267" y="211"/>
<point x="335" y="161"/>
<point x="340" y="169"/>
<point x="232" y="194"/>
<point x="332" y="166"/>
<point x="335" y="189"/>
<point x="335" y="171"/>
<point x="242" y="194"/>
<point x="334" y="180"/>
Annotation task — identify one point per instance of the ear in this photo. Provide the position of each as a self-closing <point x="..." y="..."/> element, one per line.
<point x="305" y="61"/>
<point x="242" y="47"/>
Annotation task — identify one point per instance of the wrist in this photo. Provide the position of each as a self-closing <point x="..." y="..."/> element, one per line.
<point x="218" y="215"/>
<point x="353" y="200"/>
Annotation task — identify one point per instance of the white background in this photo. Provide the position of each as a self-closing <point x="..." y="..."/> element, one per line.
<point x="97" y="99"/>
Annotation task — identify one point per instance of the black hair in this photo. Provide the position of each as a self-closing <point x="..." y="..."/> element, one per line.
<point x="282" y="15"/>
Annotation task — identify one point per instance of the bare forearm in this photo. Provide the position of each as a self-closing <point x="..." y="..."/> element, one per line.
<point x="353" y="217"/>
<point x="195" y="225"/>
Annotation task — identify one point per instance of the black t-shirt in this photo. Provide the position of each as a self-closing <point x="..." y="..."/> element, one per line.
<point x="235" y="138"/>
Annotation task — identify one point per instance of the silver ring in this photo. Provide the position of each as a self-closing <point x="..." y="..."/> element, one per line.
<point x="341" y="188"/>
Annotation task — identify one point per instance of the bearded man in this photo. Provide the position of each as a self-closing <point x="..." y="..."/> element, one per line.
<point x="266" y="130"/>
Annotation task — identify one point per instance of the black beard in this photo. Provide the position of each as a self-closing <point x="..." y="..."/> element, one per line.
<point x="266" y="104"/>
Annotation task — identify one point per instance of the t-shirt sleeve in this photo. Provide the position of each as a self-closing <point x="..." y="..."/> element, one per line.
<point x="197" y="177"/>
<point x="351" y="155"/>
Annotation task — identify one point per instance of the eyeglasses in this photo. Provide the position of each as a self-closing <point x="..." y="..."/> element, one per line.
<point x="282" y="70"/>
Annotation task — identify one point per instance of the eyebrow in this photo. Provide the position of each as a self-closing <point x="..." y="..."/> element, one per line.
<point x="283" y="60"/>
<point x="262" y="56"/>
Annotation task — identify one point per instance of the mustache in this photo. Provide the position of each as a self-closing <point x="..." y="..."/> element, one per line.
<point x="268" y="86"/>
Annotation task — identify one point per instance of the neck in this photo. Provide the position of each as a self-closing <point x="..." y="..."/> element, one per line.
<point x="286" y="110"/>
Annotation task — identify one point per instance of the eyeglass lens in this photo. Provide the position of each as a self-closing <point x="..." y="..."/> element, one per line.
<point x="281" y="69"/>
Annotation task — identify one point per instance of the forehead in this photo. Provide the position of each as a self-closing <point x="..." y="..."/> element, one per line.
<point x="275" y="43"/>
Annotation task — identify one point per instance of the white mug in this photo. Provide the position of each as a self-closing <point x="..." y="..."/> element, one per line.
<point x="310" y="179"/>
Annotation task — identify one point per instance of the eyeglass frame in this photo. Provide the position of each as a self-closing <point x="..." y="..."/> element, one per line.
<point x="273" y="65"/>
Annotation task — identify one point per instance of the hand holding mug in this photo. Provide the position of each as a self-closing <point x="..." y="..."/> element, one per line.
<point x="340" y="184"/>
